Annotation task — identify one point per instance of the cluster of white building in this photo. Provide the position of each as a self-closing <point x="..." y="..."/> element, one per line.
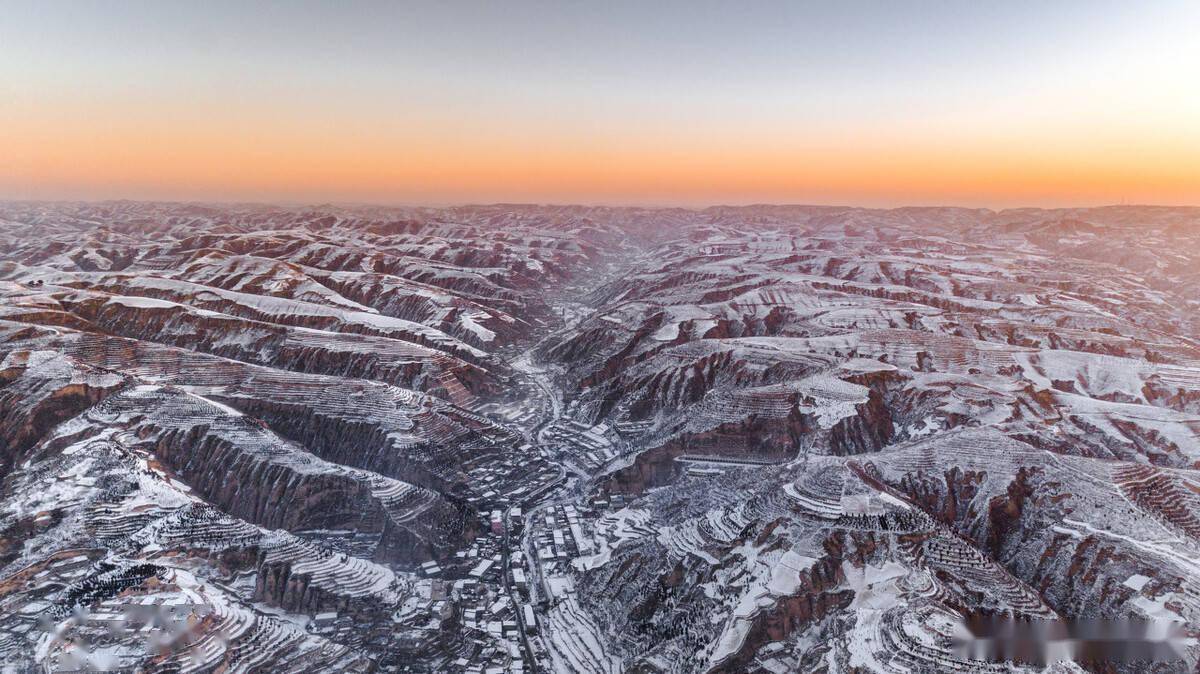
<point x="590" y="446"/>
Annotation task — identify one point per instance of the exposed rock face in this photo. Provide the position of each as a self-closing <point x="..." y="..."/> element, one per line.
<point x="752" y="440"/>
<point x="41" y="389"/>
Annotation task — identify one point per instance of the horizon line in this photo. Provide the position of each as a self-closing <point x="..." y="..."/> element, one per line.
<point x="283" y="203"/>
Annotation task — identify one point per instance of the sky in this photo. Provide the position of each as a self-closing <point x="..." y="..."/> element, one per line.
<point x="653" y="103"/>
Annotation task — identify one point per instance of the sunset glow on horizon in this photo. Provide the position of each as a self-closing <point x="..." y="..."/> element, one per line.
<point x="1074" y="103"/>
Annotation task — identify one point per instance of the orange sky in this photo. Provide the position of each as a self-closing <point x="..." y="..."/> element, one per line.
<point x="1113" y="124"/>
<point x="142" y="159"/>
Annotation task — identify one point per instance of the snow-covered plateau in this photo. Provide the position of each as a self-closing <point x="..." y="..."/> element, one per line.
<point x="515" y="439"/>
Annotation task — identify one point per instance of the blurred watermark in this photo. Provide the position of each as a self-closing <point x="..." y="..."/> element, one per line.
<point x="1086" y="641"/>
